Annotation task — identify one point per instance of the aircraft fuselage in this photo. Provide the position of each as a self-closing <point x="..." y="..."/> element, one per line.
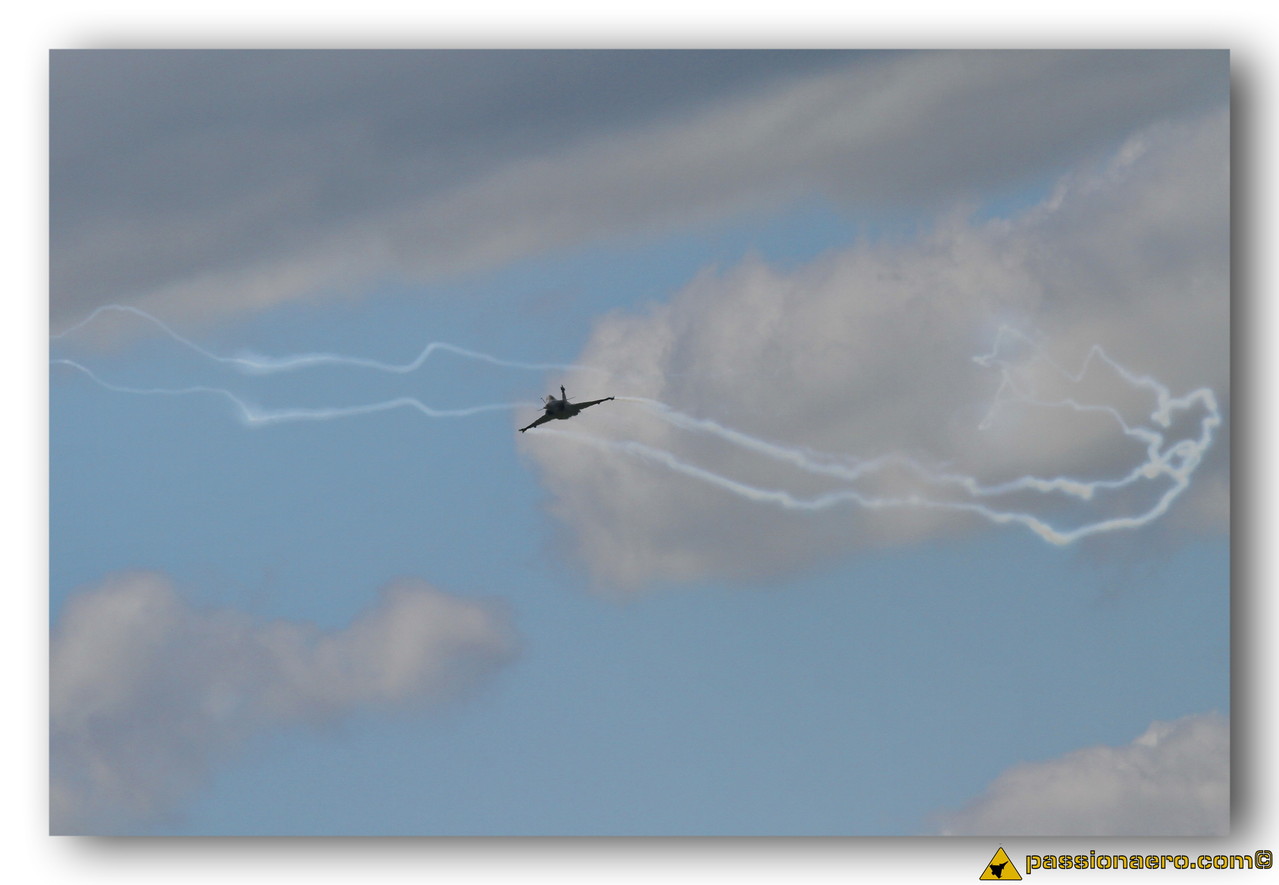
<point x="561" y="410"/>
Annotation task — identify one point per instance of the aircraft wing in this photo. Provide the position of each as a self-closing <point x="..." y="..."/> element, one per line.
<point x="593" y="402"/>
<point x="541" y="420"/>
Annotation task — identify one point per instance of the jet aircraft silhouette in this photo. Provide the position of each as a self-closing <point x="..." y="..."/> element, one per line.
<point x="561" y="409"/>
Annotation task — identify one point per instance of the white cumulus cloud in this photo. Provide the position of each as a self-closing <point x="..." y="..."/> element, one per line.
<point x="869" y="353"/>
<point x="1173" y="780"/>
<point x="147" y="692"/>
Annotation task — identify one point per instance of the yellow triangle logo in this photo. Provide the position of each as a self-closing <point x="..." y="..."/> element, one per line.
<point x="1000" y="869"/>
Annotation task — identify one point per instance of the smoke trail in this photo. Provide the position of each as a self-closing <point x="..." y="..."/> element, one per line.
<point x="253" y="415"/>
<point x="803" y="458"/>
<point x="825" y="501"/>
<point x="257" y="364"/>
<point x="1174" y="462"/>
<point x="1178" y="462"/>
<point x="788" y="501"/>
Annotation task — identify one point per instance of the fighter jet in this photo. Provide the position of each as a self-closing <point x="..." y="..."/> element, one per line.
<point x="561" y="409"/>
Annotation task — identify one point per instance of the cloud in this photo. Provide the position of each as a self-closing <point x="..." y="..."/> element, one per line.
<point x="147" y="693"/>
<point x="868" y="352"/>
<point x="1174" y="780"/>
<point x="250" y="177"/>
<point x="205" y="184"/>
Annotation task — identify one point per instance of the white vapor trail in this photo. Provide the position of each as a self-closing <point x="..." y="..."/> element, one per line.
<point x="827" y="500"/>
<point x="1173" y="462"/>
<point x="257" y="364"/>
<point x="253" y="415"/>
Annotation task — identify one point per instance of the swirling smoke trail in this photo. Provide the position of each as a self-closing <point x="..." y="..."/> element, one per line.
<point x="934" y="488"/>
<point x="1173" y="461"/>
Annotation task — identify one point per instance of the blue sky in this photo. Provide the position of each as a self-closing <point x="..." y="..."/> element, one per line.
<point x="806" y="250"/>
